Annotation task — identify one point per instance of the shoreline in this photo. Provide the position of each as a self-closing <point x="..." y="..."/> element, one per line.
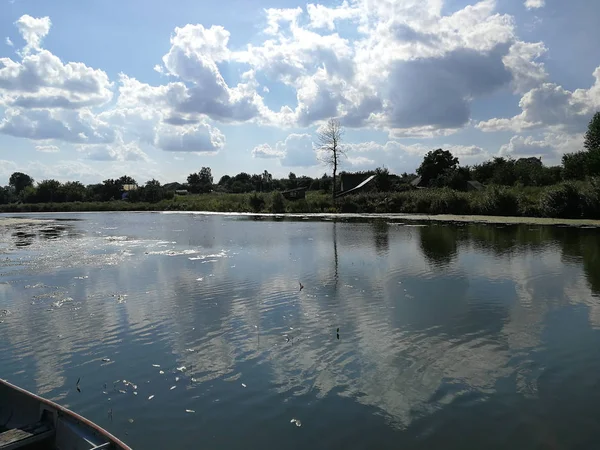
<point x="14" y="219"/>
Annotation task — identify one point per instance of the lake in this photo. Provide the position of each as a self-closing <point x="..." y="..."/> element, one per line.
<point x="193" y="331"/>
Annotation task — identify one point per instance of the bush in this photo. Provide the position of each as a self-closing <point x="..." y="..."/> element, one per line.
<point x="498" y="201"/>
<point x="561" y="201"/>
<point x="256" y="202"/>
<point x="277" y="203"/>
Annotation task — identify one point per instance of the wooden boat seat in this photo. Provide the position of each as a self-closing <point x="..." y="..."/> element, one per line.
<point x="24" y="436"/>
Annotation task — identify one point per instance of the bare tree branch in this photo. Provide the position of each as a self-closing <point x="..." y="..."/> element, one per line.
<point x="329" y="140"/>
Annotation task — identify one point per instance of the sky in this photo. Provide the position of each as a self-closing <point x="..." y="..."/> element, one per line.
<point x="97" y="89"/>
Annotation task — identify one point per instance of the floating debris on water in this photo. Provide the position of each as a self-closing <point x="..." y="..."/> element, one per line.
<point x="191" y="350"/>
<point x="162" y="372"/>
<point x="155" y="365"/>
<point x="190" y="411"/>
<point x="199" y="279"/>
<point x="181" y="369"/>
<point x="176" y="379"/>
<point x="151" y="397"/>
<point x="297" y="422"/>
<point x="130" y="420"/>
<point x="172" y="387"/>
<point x="77" y="384"/>
<point x="105" y="359"/>
<point x="122" y="391"/>
<point x="134" y="393"/>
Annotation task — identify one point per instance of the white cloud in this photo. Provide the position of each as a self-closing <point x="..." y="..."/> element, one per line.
<point x="550" y="146"/>
<point x="47" y="148"/>
<point x="9" y="42"/>
<point x="295" y="151"/>
<point x="525" y="146"/>
<point x="323" y="17"/>
<point x="535" y="4"/>
<point x="265" y="151"/>
<point x="199" y="138"/>
<point x="521" y="60"/>
<point x="276" y="16"/>
<point x="41" y="80"/>
<point x="67" y="125"/>
<point x="550" y="105"/>
<point x="33" y="31"/>
<point x="118" y="151"/>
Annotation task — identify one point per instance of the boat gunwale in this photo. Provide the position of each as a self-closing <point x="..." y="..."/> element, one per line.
<point x="69" y="413"/>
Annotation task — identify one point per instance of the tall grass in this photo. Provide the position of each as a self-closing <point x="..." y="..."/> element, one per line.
<point x="565" y="200"/>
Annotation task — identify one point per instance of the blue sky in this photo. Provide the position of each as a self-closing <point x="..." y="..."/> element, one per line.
<point x="91" y="90"/>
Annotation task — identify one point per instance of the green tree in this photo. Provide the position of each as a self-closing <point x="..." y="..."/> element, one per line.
<point x="201" y="182"/>
<point x="153" y="191"/>
<point x="73" y="191"/>
<point x="436" y="163"/>
<point x="292" y="181"/>
<point x="575" y="165"/>
<point x="592" y="136"/>
<point x="383" y="181"/>
<point x="48" y="191"/>
<point x="20" y="181"/>
<point x="267" y="180"/>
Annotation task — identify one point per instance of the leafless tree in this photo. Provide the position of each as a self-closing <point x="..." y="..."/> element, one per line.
<point x="330" y="143"/>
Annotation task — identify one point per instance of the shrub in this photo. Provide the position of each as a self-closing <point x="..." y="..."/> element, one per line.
<point x="561" y="201"/>
<point x="277" y="202"/>
<point x="498" y="201"/>
<point x="256" y="202"/>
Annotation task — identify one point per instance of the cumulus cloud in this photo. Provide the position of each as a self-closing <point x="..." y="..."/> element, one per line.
<point x="535" y="4"/>
<point x="295" y="151"/>
<point x="265" y="151"/>
<point x="277" y="16"/>
<point x="118" y="151"/>
<point x="525" y="146"/>
<point x="324" y="17"/>
<point x="47" y="148"/>
<point x="521" y="61"/>
<point x="200" y="138"/>
<point x="551" y="105"/>
<point x="69" y="126"/>
<point x="550" y="146"/>
<point x="9" y="42"/>
<point x="33" y="31"/>
<point x="42" y="80"/>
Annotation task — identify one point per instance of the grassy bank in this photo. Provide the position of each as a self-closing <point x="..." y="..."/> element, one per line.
<point x="579" y="200"/>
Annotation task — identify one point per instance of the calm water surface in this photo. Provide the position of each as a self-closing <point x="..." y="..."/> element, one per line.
<point x="450" y="336"/>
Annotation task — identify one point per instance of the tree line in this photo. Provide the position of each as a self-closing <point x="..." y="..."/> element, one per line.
<point x="440" y="168"/>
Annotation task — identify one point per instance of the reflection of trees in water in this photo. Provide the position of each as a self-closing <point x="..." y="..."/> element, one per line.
<point x="439" y="243"/>
<point x="381" y="234"/>
<point x="502" y="239"/>
<point x="581" y="245"/>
